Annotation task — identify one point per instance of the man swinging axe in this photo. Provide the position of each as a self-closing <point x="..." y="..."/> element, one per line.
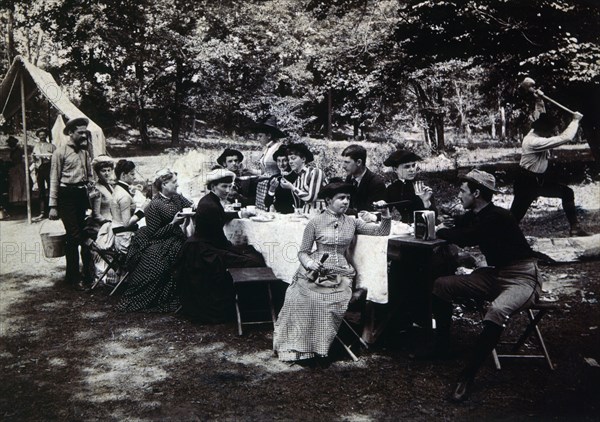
<point x="532" y="181"/>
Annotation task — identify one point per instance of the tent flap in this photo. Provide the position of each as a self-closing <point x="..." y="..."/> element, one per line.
<point x="37" y="79"/>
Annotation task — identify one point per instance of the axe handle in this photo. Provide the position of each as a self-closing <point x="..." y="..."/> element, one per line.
<point x="556" y="103"/>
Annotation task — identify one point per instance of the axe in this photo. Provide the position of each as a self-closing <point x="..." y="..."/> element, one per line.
<point x="528" y="85"/>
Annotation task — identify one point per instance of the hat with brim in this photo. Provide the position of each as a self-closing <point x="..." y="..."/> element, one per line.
<point x="302" y="150"/>
<point x="401" y="156"/>
<point x="46" y="131"/>
<point x="332" y="189"/>
<point x="482" y="179"/>
<point x="102" y="159"/>
<point x="270" y="126"/>
<point x="75" y="122"/>
<point x="543" y="122"/>
<point x="229" y="152"/>
<point x="217" y="176"/>
<point x="282" y="151"/>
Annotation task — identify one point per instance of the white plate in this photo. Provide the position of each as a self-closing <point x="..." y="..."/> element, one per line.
<point x="261" y="219"/>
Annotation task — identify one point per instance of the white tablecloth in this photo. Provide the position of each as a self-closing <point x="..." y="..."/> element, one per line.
<point x="279" y="241"/>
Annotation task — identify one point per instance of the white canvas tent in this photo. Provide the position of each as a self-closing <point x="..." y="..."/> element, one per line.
<point x="21" y="82"/>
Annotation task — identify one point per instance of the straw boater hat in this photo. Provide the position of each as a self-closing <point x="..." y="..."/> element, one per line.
<point x="401" y="156"/>
<point x="332" y="189"/>
<point x="75" y="122"/>
<point x="482" y="179"/>
<point x="270" y="126"/>
<point x="220" y="176"/>
<point x="228" y="153"/>
<point x="103" y="158"/>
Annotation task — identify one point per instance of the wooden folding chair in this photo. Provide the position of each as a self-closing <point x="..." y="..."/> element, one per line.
<point x="114" y="261"/>
<point x="260" y="276"/>
<point x="534" y="313"/>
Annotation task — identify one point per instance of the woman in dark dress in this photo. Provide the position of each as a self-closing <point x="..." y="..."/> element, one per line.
<point x="280" y="198"/>
<point x="204" y="285"/>
<point x="154" y="250"/>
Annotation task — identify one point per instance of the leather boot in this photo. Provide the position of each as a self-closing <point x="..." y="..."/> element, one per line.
<point x="487" y="341"/>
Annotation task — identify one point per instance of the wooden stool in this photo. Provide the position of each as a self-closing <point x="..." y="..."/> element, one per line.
<point x="257" y="275"/>
<point x="535" y="313"/>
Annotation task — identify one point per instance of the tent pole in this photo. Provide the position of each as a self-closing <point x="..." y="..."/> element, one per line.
<point x="26" y="153"/>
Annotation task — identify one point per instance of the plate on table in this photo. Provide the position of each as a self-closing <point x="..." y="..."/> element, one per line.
<point x="187" y="213"/>
<point x="262" y="218"/>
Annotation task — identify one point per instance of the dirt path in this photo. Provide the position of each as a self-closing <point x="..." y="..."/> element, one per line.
<point x="69" y="355"/>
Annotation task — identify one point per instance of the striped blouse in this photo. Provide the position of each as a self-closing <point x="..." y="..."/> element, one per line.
<point x="309" y="183"/>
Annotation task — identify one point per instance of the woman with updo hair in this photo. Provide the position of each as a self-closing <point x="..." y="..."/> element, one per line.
<point x="103" y="203"/>
<point x="154" y="249"/>
<point x="317" y="298"/>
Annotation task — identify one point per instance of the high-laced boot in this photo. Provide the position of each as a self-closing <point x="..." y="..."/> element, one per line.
<point x="487" y="341"/>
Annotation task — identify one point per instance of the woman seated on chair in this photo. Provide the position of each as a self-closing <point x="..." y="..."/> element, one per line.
<point x="278" y="198"/>
<point x="104" y="212"/>
<point x="103" y="202"/>
<point x="313" y="309"/>
<point x="125" y="223"/>
<point x="154" y="249"/>
<point x="205" y="287"/>
<point x="308" y="179"/>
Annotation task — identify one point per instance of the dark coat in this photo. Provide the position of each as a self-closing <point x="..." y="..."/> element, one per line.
<point x="405" y="191"/>
<point x="371" y="189"/>
<point x="210" y="219"/>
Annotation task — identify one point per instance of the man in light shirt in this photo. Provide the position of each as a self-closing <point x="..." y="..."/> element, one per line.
<point x="532" y="181"/>
<point x="70" y="173"/>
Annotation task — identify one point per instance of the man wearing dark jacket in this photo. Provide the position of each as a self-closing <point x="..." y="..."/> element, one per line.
<point x="369" y="186"/>
<point x="510" y="283"/>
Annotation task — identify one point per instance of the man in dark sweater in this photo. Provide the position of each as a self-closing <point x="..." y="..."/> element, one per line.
<point x="369" y="186"/>
<point x="510" y="283"/>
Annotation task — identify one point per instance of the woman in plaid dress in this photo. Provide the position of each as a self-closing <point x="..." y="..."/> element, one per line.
<point x="313" y="311"/>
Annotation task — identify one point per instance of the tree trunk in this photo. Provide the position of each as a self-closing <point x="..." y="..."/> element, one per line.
<point x="177" y="106"/>
<point x="142" y="120"/>
<point x="329" y="114"/>
<point x="10" y="28"/>
<point x="502" y="124"/>
<point x="493" y="126"/>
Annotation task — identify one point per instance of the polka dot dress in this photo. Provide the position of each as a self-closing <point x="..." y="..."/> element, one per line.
<point x="151" y="256"/>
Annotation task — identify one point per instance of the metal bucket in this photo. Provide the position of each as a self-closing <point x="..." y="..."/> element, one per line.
<point x="53" y="242"/>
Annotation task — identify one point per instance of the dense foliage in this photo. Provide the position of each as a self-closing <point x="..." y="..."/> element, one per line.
<point x="330" y="68"/>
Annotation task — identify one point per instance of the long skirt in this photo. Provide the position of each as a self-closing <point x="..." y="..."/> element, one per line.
<point x="150" y="285"/>
<point x="310" y="318"/>
<point x="204" y="286"/>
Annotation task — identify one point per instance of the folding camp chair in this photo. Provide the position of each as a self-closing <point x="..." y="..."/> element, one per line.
<point x="114" y="261"/>
<point x="534" y="313"/>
